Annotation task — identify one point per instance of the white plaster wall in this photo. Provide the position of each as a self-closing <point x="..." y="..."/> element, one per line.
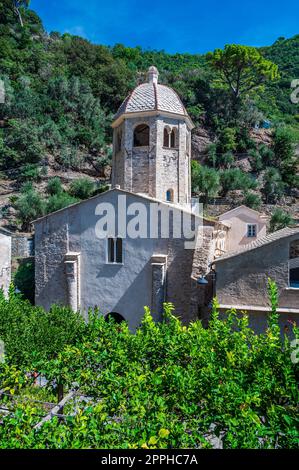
<point x="5" y="262"/>
<point x="124" y="289"/>
<point x="238" y="221"/>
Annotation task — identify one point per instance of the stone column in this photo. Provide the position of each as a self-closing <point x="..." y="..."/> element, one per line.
<point x="159" y="269"/>
<point x="182" y="190"/>
<point x="72" y="272"/>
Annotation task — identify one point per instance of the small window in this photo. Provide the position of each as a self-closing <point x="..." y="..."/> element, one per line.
<point x="251" y="231"/>
<point x="173" y="138"/>
<point x="166" y="137"/>
<point x="141" y="136"/>
<point x="294" y="278"/>
<point x="169" y="195"/>
<point x="115" y="250"/>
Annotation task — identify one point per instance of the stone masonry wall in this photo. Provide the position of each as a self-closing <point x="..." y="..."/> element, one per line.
<point x="242" y="280"/>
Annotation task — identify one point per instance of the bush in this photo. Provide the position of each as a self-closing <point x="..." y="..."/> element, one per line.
<point x="82" y="188"/>
<point x="54" y="186"/>
<point x="235" y="178"/>
<point x="280" y="219"/>
<point x="24" y="279"/>
<point x="29" y="172"/>
<point x="204" y="180"/>
<point x="59" y="201"/>
<point x="227" y="140"/>
<point x="256" y="160"/>
<point x="285" y="157"/>
<point x="273" y="187"/>
<point x="167" y="385"/>
<point x="252" y="200"/>
<point x="29" y="206"/>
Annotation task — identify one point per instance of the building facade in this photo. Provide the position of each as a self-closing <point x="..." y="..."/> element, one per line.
<point x="245" y="226"/>
<point x="242" y="277"/>
<point x="121" y="274"/>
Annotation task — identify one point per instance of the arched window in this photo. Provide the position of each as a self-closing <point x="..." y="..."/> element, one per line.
<point x="141" y="136"/>
<point x="115" y="316"/>
<point x="166" y="140"/>
<point x="173" y="138"/>
<point x="169" y="195"/>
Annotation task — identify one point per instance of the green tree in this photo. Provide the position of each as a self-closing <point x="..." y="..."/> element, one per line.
<point x="17" y="6"/>
<point x="274" y="187"/>
<point x="205" y="180"/>
<point x="29" y="206"/>
<point x="252" y="200"/>
<point x="284" y="153"/>
<point x="242" y="68"/>
<point x="280" y="219"/>
<point x="234" y="178"/>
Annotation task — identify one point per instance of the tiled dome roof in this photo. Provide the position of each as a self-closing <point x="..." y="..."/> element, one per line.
<point x="152" y="96"/>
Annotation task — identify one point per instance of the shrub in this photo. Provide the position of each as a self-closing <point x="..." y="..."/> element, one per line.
<point x="227" y="140"/>
<point x="24" y="279"/>
<point x="252" y="200"/>
<point x="29" y="206"/>
<point x="273" y="187"/>
<point x="59" y="201"/>
<point x="256" y="160"/>
<point x="235" y="178"/>
<point x="167" y="385"/>
<point x="82" y="188"/>
<point x="29" y="172"/>
<point x="280" y="219"/>
<point x="54" y="186"/>
<point x="205" y="180"/>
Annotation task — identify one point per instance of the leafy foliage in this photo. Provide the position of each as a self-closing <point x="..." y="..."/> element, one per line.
<point x="280" y="219"/>
<point x="165" y="386"/>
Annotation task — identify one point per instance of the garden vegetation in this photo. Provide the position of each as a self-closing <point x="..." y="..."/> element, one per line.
<point x="167" y="385"/>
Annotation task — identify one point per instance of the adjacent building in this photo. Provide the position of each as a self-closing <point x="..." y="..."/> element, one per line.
<point x="245" y="225"/>
<point x="242" y="277"/>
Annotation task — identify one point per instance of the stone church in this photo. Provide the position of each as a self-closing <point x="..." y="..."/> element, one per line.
<point x="118" y="274"/>
<point x="84" y="258"/>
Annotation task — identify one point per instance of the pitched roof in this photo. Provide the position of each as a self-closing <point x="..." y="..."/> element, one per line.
<point x="259" y="242"/>
<point x="242" y="207"/>
<point x="129" y="193"/>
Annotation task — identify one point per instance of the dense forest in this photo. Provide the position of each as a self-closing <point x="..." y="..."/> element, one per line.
<point x="61" y="92"/>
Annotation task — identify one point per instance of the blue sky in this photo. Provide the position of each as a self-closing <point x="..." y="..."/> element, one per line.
<point x="156" y="24"/>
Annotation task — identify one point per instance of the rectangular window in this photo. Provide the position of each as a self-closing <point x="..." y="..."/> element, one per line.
<point x="251" y="231"/>
<point x="294" y="278"/>
<point x="111" y="250"/>
<point x="115" y="250"/>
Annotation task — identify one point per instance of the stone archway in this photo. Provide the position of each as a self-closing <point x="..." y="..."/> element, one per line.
<point x="117" y="317"/>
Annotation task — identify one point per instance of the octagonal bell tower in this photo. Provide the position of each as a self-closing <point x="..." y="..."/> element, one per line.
<point x="152" y="143"/>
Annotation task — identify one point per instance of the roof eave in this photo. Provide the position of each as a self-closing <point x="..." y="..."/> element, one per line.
<point x="154" y="112"/>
